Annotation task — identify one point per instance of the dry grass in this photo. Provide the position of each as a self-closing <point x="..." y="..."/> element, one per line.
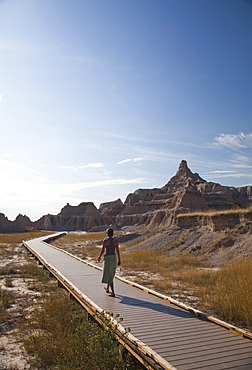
<point x="167" y="275"/>
<point x="79" y="238"/>
<point x="158" y="262"/>
<point x="19" y="237"/>
<point x="228" y="292"/>
<point x="212" y="212"/>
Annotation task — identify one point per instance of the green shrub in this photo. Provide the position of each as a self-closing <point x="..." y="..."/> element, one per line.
<point x="65" y="339"/>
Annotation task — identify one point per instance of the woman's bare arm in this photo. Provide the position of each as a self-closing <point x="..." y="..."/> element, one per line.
<point x="118" y="254"/>
<point x="102" y="251"/>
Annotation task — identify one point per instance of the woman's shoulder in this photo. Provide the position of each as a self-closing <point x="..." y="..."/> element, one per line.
<point x="107" y="241"/>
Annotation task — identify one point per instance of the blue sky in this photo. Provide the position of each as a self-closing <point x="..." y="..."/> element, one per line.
<point x="101" y="97"/>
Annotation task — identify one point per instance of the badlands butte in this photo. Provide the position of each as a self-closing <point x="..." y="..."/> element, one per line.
<point x="186" y="215"/>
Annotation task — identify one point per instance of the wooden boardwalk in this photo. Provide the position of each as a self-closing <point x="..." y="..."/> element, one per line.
<point x="163" y="334"/>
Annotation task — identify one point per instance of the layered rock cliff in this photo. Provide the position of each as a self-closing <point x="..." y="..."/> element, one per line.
<point x="185" y="192"/>
<point x="85" y="217"/>
<point x="149" y="208"/>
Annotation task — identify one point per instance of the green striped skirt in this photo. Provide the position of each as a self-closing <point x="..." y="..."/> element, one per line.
<point x="109" y="269"/>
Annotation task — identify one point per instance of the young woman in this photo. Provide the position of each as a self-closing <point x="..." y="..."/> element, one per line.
<point x="111" y="258"/>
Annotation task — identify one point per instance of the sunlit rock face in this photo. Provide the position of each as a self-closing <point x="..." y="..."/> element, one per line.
<point x="184" y="192"/>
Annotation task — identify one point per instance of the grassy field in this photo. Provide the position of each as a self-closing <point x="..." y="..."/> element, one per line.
<point x="19" y="237"/>
<point x="224" y="292"/>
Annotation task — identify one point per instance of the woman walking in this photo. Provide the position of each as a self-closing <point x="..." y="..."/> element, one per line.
<point x="111" y="258"/>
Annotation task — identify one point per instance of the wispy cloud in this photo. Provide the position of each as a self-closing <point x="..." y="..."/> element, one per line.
<point x="134" y="160"/>
<point x="95" y="165"/>
<point x="234" y="141"/>
<point x="124" y="137"/>
<point x="221" y="172"/>
<point x="236" y="167"/>
<point x="76" y="168"/>
<point x="11" y="168"/>
<point x="92" y="184"/>
<point x="219" y="175"/>
<point x="241" y="161"/>
<point x="52" y="51"/>
<point x="55" y="191"/>
<point x="159" y="156"/>
<point x="26" y="189"/>
<point x="124" y="161"/>
<point x="83" y="59"/>
<point x="15" y="45"/>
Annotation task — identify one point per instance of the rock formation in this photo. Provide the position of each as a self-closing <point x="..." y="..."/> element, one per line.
<point x="111" y="208"/>
<point x="150" y="208"/>
<point x="185" y="192"/>
<point x="20" y="224"/>
<point x="85" y="216"/>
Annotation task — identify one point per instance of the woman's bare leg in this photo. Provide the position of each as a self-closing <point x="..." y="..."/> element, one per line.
<point x="107" y="288"/>
<point x="112" y="289"/>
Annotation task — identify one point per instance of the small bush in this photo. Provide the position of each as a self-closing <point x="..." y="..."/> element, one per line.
<point x="6" y="299"/>
<point x="8" y="282"/>
<point x="65" y="339"/>
<point x="8" y="270"/>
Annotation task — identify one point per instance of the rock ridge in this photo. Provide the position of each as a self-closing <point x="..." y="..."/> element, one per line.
<point x="150" y="208"/>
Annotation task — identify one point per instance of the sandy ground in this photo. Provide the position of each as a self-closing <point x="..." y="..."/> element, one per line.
<point x="11" y="354"/>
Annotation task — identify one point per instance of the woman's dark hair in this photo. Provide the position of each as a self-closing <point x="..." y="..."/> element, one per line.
<point x="110" y="232"/>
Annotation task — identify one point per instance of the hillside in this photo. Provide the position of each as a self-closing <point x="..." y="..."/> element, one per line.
<point x="218" y="236"/>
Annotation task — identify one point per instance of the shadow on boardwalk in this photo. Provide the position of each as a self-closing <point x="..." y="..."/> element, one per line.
<point x="159" y="307"/>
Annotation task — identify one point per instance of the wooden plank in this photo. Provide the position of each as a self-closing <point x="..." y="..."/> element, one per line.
<point x="233" y="366"/>
<point x="167" y="350"/>
<point x="190" y="331"/>
<point x="237" y="365"/>
<point x="196" y="347"/>
<point x="188" y="337"/>
<point x="167" y="318"/>
<point x="196" y="356"/>
<point x="206" y="361"/>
